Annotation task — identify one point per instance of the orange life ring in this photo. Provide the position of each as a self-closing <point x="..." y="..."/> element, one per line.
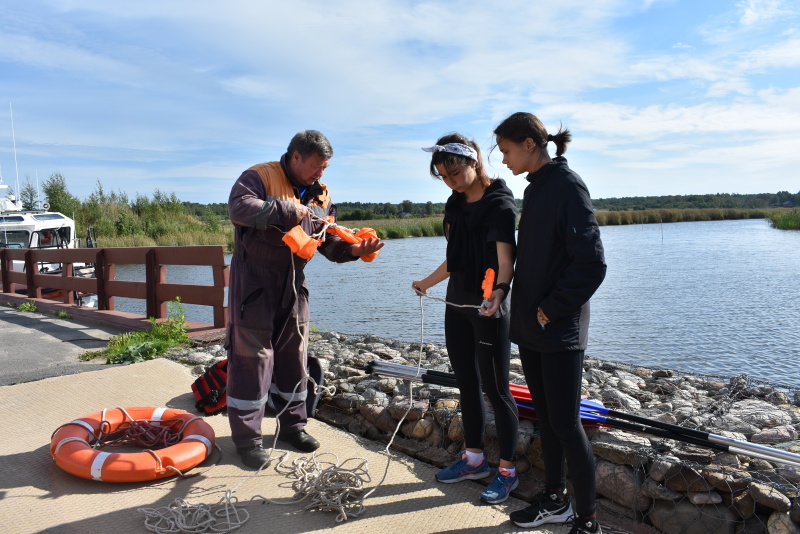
<point x="70" y="446"/>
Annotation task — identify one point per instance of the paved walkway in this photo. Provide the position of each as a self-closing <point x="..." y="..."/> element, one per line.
<point x="35" y="346"/>
<point x="44" y="385"/>
<point x="37" y="496"/>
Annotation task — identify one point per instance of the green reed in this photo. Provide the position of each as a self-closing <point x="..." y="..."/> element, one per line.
<point x="609" y="218"/>
<point x="399" y="228"/>
<point x="786" y="219"/>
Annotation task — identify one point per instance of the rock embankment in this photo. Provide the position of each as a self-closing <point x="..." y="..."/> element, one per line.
<point x="674" y="486"/>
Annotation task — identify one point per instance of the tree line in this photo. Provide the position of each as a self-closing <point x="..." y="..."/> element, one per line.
<point x="365" y="211"/>
<point x="719" y="200"/>
<point x="114" y="214"/>
<point x="347" y="211"/>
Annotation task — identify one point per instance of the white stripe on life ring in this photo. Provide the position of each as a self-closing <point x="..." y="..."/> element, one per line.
<point x="204" y="439"/>
<point x="85" y="425"/>
<point x="97" y="465"/>
<point x="158" y="414"/>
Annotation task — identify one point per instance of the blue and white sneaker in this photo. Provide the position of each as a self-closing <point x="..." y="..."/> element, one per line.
<point x="500" y="488"/>
<point x="461" y="470"/>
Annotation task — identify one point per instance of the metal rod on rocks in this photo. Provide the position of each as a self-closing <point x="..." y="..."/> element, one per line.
<point x="397" y="373"/>
<point x="775" y="455"/>
<point x="527" y="410"/>
<point x="650" y="426"/>
<point x="398" y="367"/>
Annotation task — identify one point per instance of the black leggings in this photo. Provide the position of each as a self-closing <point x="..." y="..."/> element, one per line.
<point x="554" y="379"/>
<point x="479" y="352"/>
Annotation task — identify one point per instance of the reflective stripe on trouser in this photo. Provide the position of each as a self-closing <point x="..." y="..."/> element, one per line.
<point x="266" y="348"/>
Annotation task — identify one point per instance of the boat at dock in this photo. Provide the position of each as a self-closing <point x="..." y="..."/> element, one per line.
<point x="41" y="229"/>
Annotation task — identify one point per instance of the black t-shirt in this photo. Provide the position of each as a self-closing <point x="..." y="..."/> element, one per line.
<point x="472" y="230"/>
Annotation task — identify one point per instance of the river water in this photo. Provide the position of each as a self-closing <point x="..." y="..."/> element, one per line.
<point x="718" y="297"/>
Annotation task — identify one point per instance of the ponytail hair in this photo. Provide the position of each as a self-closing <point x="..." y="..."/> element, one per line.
<point x="521" y="126"/>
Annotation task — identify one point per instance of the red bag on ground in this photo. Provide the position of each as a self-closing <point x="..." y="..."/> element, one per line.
<point x="209" y="389"/>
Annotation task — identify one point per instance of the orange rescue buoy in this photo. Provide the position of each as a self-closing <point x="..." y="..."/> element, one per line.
<point x="71" y="447"/>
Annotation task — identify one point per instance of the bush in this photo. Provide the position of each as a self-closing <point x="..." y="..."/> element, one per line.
<point x="132" y="347"/>
<point x="29" y="306"/>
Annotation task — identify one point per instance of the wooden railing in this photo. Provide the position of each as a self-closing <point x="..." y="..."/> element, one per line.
<point x="154" y="289"/>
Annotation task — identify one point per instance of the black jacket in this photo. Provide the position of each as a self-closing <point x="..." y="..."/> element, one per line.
<point x="560" y="261"/>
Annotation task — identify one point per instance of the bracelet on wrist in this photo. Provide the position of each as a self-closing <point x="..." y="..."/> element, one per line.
<point x="505" y="287"/>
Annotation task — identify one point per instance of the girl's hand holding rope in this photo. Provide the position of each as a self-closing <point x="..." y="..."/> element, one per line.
<point x="491" y="305"/>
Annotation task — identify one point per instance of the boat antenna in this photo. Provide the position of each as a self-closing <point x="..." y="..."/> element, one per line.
<point x="14" y="139"/>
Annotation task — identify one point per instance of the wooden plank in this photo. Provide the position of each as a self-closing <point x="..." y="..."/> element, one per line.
<point x="67" y="283"/>
<point x="124" y="288"/>
<point x="17" y="277"/>
<point x="126" y="255"/>
<point x="16" y="254"/>
<point x="191" y="294"/>
<point x="197" y="255"/>
<point x="64" y="255"/>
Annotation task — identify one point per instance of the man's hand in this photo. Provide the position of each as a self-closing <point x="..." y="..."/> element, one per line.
<point x="301" y="211"/>
<point x="367" y="246"/>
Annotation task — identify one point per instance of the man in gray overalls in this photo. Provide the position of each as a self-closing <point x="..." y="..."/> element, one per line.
<point x="267" y="332"/>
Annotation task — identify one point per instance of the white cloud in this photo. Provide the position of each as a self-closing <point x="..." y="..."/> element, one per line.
<point x="40" y="54"/>
<point x="758" y="11"/>
<point x="784" y="54"/>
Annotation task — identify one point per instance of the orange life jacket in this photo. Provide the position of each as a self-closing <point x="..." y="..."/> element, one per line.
<point x="277" y="185"/>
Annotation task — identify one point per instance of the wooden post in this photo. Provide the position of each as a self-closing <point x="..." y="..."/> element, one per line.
<point x="221" y="279"/>
<point x="5" y="268"/>
<point x="155" y="275"/>
<point x="31" y="268"/>
<point x="66" y="271"/>
<point x="102" y="273"/>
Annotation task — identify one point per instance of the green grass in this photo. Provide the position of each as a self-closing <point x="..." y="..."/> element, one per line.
<point x="29" y="306"/>
<point x="169" y="240"/>
<point x="399" y="228"/>
<point x="611" y="218"/>
<point x="432" y="226"/>
<point x="132" y="347"/>
<point x="786" y="219"/>
<point x="61" y="314"/>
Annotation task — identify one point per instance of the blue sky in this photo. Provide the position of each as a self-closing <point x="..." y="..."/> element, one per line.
<point x="663" y="97"/>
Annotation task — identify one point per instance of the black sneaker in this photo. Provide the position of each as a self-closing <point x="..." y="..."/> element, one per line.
<point x="546" y="508"/>
<point x="254" y="457"/>
<point x="300" y="440"/>
<point x="585" y="527"/>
